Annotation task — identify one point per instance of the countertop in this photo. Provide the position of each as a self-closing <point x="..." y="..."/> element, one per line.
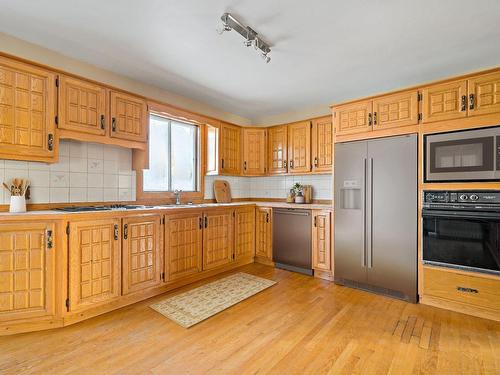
<point x="55" y="213"/>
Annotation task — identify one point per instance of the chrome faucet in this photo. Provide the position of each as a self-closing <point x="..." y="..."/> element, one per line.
<point x="177" y="196"/>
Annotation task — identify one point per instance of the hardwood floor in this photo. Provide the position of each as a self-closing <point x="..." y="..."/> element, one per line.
<point x="301" y="325"/>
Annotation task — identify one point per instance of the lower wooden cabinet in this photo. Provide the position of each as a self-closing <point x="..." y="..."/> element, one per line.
<point x="217" y="238"/>
<point x="244" y="232"/>
<point x="263" y="233"/>
<point x="141" y="253"/>
<point x="322" y="254"/>
<point x="27" y="271"/>
<point x="94" y="263"/>
<point x="183" y="245"/>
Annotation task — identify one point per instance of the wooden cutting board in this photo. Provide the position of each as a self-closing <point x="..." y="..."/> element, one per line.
<point x="222" y="191"/>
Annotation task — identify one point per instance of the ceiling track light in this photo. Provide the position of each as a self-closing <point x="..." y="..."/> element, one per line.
<point x="251" y="37"/>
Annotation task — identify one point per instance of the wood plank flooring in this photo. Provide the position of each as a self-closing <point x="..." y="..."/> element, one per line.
<point x="301" y="325"/>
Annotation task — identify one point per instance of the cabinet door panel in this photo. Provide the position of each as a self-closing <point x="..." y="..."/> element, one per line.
<point x="353" y="118"/>
<point x="444" y="102"/>
<point x="183" y="245"/>
<point x="278" y="149"/>
<point x="299" y="147"/>
<point x="82" y="106"/>
<point x="244" y="232"/>
<point x="27" y="104"/>
<point x="395" y="110"/>
<point x="322" y="144"/>
<point x="263" y="233"/>
<point x="254" y="152"/>
<point x="94" y="263"/>
<point x="141" y="249"/>
<point x="230" y="149"/>
<point x="322" y="259"/>
<point x="129" y="117"/>
<point x="485" y="91"/>
<point x="27" y="271"/>
<point x="217" y="239"/>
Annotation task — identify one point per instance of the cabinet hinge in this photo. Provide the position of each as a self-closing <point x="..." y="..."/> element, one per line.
<point x="162" y="276"/>
<point x="234" y="213"/>
<point x="163" y="220"/>
<point x="419" y="97"/>
<point x="67" y="229"/>
<point x="56" y="120"/>
<point x="419" y="116"/>
<point x="67" y="304"/>
<point x="233" y="256"/>
<point x="57" y="82"/>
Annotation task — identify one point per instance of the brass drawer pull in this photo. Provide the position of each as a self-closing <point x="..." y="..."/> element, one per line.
<point x="467" y="290"/>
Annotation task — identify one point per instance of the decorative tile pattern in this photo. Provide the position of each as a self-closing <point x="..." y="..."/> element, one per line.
<point x="194" y="306"/>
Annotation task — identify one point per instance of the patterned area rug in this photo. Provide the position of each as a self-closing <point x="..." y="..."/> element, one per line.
<point x="190" y="308"/>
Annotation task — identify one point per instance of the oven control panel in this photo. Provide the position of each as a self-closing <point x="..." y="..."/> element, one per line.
<point x="473" y="197"/>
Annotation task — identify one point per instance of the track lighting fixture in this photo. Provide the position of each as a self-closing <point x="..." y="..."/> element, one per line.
<point x="251" y="37"/>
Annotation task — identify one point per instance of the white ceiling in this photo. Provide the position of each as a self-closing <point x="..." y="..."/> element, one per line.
<point x="323" y="51"/>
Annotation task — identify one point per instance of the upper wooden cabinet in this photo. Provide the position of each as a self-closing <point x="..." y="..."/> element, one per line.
<point x="217" y="238"/>
<point x="484" y="94"/>
<point x="278" y="149"/>
<point x="445" y="101"/>
<point x="229" y="149"/>
<point x="141" y="253"/>
<point x="395" y="110"/>
<point x="94" y="263"/>
<point x="263" y="233"/>
<point x="244" y="232"/>
<point x="82" y="106"/>
<point x="299" y="147"/>
<point x="27" y="270"/>
<point x="27" y="111"/>
<point x="322" y="242"/>
<point x="183" y="245"/>
<point x="353" y="118"/>
<point x="254" y="151"/>
<point x="129" y="117"/>
<point x="322" y="144"/>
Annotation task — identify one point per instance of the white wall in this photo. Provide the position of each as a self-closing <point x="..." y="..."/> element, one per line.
<point x="272" y="186"/>
<point x="86" y="172"/>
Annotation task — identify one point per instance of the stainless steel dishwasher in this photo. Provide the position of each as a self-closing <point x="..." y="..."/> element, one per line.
<point x="292" y="231"/>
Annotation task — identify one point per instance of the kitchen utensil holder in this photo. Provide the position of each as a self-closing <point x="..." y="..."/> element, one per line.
<point x="17" y="204"/>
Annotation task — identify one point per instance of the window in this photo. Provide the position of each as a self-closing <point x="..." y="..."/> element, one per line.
<point x="173" y="156"/>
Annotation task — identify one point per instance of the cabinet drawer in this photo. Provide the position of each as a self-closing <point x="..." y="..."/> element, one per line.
<point x="477" y="291"/>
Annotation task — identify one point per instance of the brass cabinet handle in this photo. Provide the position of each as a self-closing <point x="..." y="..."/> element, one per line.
<point x="464" y="103"/>
<point x="125" y="231"/>
<point x="471" y="101"/>
<point x="50" y="242"/>
<point x="284" y="163"/>
<point x="315" y="221"/>
<point x="201" y="223"/>
<point x="267" y="217"/>
<point x="50" y="142"/>
<point x="245" y="165"/>
<point x="374" y="118"/>
<point x="222" y="163"/>
<point x="206" y="222"/>
<point x="113" y="124"/>
<point x="103" y="122"/>
<point x="369" y="119"/>
<point x="116" y="231"/>
<point x="291" y="164"/>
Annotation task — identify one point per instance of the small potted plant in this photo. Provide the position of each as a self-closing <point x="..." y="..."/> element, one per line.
<point x="299" y="192"/>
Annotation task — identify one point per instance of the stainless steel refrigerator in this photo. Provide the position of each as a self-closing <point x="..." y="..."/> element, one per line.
<point x="376" y="215"/>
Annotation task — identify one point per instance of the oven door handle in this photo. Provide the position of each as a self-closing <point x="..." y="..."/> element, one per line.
<point x="461" y="214"/>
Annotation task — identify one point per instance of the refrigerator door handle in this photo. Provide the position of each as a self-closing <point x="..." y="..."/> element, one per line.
<point x="370" y="253"/>
<point x="363" y="255"/>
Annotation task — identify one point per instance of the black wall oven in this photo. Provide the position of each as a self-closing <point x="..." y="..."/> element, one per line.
<point x="462" y="230"/>
<point x="466" y="155"/>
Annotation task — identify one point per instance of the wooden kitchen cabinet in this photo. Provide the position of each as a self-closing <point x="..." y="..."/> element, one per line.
<point x="244" y="232"/>
<point x="27" y="270"/>
<point x="395" y="110"/>
<point x="322" y="241"/>
<point x="322" y="144"/>
<point x="82" y="106"/>
<point x="263" y="234"/>
<point x="254" y="151"/>
<point x="299" y="147"/>
<point x="230" y="149"/>
<point x="484" y="94"/>
<point x="446" y="101"/>
<point x="129" y="117"/>
<point x="354" y="117"/>
<point x="278" y="149"/>
<point x="217" y="238"/>
<point x="141" y="253"/>
<point x="183" y="245"/>
<point x="27" y="112"/>
<point x="94" y="263"/>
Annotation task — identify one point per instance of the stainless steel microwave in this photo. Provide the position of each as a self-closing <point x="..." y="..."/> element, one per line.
<point x="466" y="155"/>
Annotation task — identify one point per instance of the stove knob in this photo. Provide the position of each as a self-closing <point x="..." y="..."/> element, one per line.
<point x="474" y="197"/>
<point x="463" y="197"/>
